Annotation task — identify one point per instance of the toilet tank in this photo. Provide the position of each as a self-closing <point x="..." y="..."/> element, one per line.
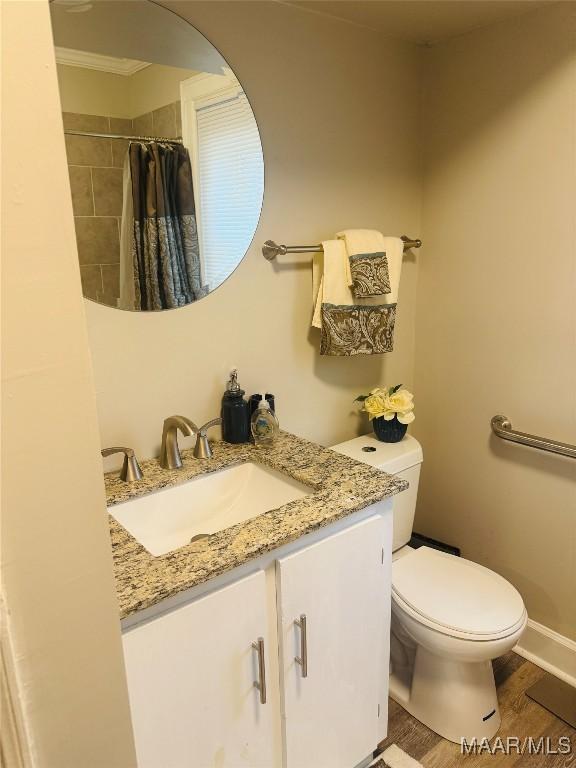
<point x="402" y="459"/>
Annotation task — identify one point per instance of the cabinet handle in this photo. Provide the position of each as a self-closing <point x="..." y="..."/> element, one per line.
<point x="260" y="684"/>
<point x="303" y="658"/>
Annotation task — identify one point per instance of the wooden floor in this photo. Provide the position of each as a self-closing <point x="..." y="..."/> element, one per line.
<point x="521" y="717"/>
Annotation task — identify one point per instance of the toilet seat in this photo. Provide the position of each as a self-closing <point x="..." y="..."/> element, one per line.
<point x="456" y="597"/>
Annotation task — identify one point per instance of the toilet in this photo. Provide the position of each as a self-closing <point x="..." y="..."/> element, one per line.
<point x="450" y="616"/>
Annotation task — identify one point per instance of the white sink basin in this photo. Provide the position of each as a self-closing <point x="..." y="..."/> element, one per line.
<point x="168" y="519"/>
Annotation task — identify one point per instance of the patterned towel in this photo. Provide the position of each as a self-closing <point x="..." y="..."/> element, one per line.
<point x="357" y="330"/>
<point x="350" y="326"/>
<point x="370" y="242"/>
<point x="369" y="272"/>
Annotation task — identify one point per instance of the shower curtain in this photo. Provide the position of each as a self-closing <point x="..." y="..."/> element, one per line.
<point x="160" y="261"/>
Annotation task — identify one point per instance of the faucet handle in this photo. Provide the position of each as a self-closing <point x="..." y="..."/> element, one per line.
<point x="202" y="449"/>
<point x="130" y="469"/>
<point x="212" y="423"/>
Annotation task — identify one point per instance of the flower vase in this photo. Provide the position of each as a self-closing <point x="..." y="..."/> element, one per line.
<point x="389" y="431"/>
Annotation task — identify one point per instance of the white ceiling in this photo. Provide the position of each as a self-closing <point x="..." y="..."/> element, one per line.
<point x="133" y="29"/>
<point x="420" y="21"/>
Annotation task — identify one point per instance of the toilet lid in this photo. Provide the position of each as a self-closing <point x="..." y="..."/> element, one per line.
<point x="456" y="593"/>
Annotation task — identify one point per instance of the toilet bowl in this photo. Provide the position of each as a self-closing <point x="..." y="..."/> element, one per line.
<point x="450" y="617"/>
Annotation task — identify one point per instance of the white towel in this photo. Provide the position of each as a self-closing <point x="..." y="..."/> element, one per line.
<point x="331" y="280"/>
<point x="317" y="288"/>
<point x="372" y="241"/>
<point x="349" y="326"/>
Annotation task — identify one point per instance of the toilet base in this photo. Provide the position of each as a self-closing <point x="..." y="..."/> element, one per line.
<point x="456" y="699"/>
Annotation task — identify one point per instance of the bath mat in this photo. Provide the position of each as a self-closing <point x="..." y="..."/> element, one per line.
<point x="556" y="696"/>
<point x="394" y="757"/>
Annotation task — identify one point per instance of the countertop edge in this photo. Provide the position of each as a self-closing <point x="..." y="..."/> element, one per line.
<point x="341" y="487"/>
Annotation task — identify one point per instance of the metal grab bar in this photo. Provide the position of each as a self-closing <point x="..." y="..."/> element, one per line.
<point x="502" y="427"/>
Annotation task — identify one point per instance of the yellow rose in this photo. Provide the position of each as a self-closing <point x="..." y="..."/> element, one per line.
<point x="401" y="401"/>
<point x="379" y="391"/>
<point x="374" y="405"/>
<point x="380" y="403"/>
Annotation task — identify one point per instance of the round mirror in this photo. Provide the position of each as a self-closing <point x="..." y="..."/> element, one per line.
<point x="163" y="150"/>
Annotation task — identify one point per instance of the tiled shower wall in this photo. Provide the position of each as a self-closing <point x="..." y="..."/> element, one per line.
<point x="166" y="122"/>
<point x="95" y="168"/>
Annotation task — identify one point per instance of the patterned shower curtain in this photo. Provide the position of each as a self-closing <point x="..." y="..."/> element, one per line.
<point x="165" y="250"/>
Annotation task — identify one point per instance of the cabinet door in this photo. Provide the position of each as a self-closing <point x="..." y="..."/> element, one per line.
<point x="336" y="715"/>
<point x="191" y="677"/>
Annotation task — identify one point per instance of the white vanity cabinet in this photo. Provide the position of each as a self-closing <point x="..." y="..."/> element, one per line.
<point x="191" y="672"/>
<point x="335" y="697"/>
<point x="191" y="675"/>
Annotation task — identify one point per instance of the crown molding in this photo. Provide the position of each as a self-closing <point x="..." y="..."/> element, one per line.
<point x="206" y="86"/>
<point x="98" y="61"/>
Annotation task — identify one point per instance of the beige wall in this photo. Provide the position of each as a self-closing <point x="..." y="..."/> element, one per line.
<point x="499" y="211"/>
<point x="496" y="314"/>
<point x="56" y="560"/>
<point x="92" y="92"/>
<point x="155" y="87"/>
<point x="338" y="114"/>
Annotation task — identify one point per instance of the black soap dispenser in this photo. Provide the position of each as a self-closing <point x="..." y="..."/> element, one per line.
<point x="235" y="416"/>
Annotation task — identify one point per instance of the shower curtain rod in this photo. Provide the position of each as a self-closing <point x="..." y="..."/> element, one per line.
<point x="162" y="139"/>
<point x="270" y="249"/>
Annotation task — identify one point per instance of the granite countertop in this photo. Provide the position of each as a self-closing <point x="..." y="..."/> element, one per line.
<point x="340" y="486"/>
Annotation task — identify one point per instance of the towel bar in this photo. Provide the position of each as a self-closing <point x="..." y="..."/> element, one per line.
<point x="270" y="249"/>
<point x="502" y="427"/>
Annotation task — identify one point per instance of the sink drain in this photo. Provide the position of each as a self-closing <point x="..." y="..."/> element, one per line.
<point x="199" y="537"/>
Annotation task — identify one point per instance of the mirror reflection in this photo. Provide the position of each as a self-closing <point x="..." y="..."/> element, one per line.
<point x="163" y="150"/>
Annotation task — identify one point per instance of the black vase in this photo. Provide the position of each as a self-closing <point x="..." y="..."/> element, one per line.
<point x="389" y="431"/>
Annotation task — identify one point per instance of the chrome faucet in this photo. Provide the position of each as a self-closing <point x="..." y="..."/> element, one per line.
<point x="130" y="469"/>
<point x="169" y="452"/>
<point x="202" y="449"/>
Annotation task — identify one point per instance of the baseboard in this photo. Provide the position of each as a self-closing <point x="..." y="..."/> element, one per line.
<point x="549" y="650"/>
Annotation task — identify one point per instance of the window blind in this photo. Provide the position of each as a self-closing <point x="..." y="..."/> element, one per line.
<point x="231" y="176"/>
